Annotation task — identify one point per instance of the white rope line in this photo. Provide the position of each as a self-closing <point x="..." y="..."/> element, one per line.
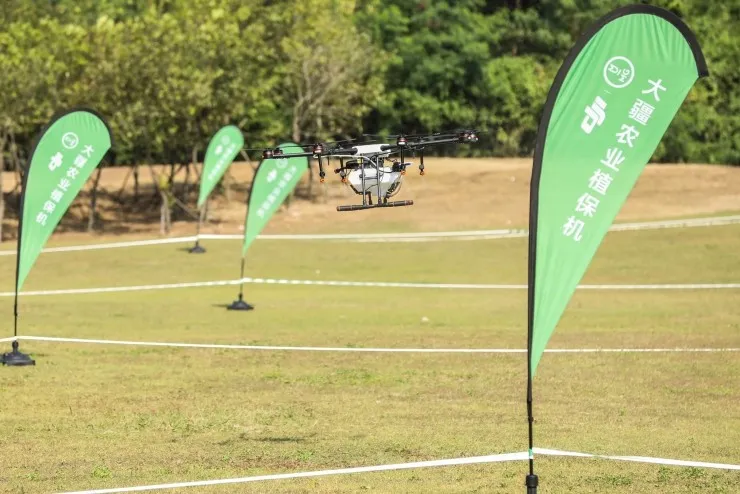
<point x="506" y="457"/>
<point x="639" y="459"/>
<point x="687" y="223"/>
<point x="365" y="350"/>
<point x="393" y="237"/>
<point x="665" y="286"/>
<point x="374" y="284"/>
<point x="319" y="473"/>
<point x="114" y="289"/>
<point x="112" y="245"/>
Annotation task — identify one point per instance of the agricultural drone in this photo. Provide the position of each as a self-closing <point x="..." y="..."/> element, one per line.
<point x="374" y="169"/>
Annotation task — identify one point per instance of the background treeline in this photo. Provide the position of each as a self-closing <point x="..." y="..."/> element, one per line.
<point x="169" y="73"/>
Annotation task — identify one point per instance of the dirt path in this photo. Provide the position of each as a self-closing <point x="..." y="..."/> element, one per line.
<point x="455" y="194"/>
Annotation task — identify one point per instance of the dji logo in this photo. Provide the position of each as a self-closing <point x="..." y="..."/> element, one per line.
<point x="595" y="115"/>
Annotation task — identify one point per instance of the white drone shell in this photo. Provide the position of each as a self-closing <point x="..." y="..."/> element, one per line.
<point x="371" y="150"/>
<point x="388" y="178"/>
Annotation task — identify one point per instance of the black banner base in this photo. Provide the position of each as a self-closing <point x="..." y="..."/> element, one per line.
<point x="240" y="305"/>
<point x="16" y="358"/>
<point x="532" y="482"/>
<point x="197" y="249"/>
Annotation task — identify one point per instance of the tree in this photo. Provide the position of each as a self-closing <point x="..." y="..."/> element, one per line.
<point x="37" y="62"/>
<point x="331" y="71"/>
<point x="169" y="73"/>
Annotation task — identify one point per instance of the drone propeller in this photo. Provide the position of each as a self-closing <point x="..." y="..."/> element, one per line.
<point x="409" y="140"/>
<point x="326" y="144"/>
<point x="403" y="143"/>
<point x="339" y="142"/>
<point x="463" y="135"/>
<point x="393" y="136"/>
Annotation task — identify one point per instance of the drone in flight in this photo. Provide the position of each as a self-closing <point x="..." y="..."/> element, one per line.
<point x="374" y="170"/>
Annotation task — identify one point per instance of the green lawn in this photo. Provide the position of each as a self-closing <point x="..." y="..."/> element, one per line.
<point x="91" y="416"/>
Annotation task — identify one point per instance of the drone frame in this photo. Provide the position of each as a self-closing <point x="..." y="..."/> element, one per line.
<point x="404" y="144"/>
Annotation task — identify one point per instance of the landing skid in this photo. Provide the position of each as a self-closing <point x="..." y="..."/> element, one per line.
<point x="390" y="204"/>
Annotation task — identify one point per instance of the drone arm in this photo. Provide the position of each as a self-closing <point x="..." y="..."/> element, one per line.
<point x="293" y="155"/>
<point x="349" y="151"/>
<point x="437" y="141"/>
<point x="322" y="175"/>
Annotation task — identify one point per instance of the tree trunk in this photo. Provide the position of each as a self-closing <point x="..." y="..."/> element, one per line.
<point x="119" y="196"/>
<point x="17" y="174"/>
<point x="136" y="183"/>
<point x="289" y="199"/>
<point x="186" y="183"/>
<point x="160" y="185"/>
<point x="171" y="190"/>
<point x="2" y="193"/>
<point x="173" y="171"/>
<point x="249" y="189"/>
<point x="194" y="162"/>
<point x="227" y="181"/>
<point x="168" y="217"/>
<point x="297" y="139"/>
<point x="310" y="182"/>
<point x="296" y="128"/>
<point x="251" y="163"/>
<point x="163" y="214"/>
<point x="93" y="201"/>
<point x="20" y="169"/>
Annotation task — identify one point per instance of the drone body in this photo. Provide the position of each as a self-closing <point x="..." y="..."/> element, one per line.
<point x="368" y="175"/>
<point x="373" y="170"/>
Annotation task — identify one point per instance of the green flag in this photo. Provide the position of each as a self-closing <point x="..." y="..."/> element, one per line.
<point x="64" y="156"/>
<point x="608" y="108"/>
<point x="274" y="180"/>
<point x="221" y="151"/>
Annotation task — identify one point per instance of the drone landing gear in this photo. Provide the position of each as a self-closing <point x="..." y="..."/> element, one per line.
<point x="389" y="204"/>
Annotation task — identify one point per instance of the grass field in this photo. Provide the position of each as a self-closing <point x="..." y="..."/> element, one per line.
<point x="107" y="416"/>
<point x="100" y="416"/>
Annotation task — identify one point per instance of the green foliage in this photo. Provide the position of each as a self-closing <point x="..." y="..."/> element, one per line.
<point x="169" y="73"/>
<point x="330" y="71"/>
<point x="707" y="129"/>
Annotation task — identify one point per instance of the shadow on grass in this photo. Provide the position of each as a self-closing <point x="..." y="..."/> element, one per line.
<point x="270" y="440"/>
<point x="286" y="439"/>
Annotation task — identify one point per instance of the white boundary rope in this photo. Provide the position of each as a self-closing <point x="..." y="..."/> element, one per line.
<point x="506" y="457"/>
<point x="395" y="237"/>
<point x="363" y="350"/>
<point x="639" y="459"/>
<point x="373" y="284"/>
<point x="319" y="473"/>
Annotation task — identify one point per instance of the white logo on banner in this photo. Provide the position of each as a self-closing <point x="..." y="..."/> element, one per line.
<point x="70" y="140"/>
<point x="619" y="72"/>
<point x="595" y="115"/>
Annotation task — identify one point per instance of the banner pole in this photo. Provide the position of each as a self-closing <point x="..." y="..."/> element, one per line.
<point x="15" y="315"/>
<point x="239" y="303"/>
<point x="532" y="480"/>
<point x="15" y="357"/>
<point x="197" y="248"/>
<point x="241" y="279"/>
